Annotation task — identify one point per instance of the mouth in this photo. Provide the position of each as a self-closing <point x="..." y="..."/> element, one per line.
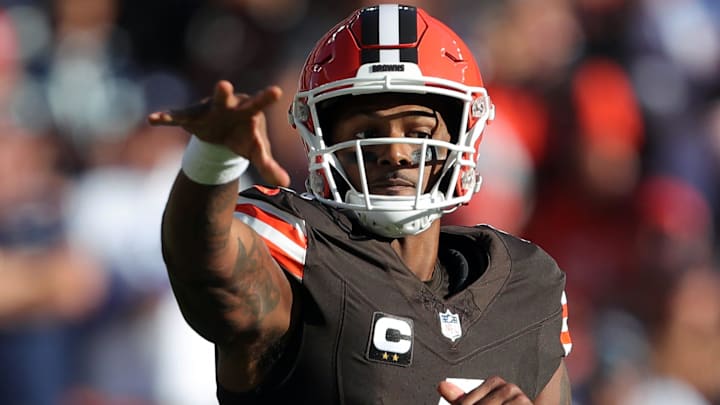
<point x="393" y="185"/>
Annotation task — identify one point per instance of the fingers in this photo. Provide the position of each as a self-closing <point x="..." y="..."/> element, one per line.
<point x="450" y="391"/>
<point x="272" y="172"/>
<point x="179" y="116"/>
<point x="486" y="388"/>
<point x="161" y="118"/>
<point x="233" y="120"/>
<point x="176" y="117"/>
<point x="222" y="98"/>
<point x="497" y="392"/>
<point x="266" y="97"/>
<point x="493" y="391"/>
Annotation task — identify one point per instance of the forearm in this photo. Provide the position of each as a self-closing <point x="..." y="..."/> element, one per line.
<point x="196" y="230"/>
<point x="225" y="280"/>
<point x="199" y="253"/>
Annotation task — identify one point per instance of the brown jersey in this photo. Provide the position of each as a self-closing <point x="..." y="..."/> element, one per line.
<point x="370" y="332"/>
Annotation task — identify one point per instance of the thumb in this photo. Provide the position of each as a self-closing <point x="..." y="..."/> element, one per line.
<point x="450" y="391"/>
<point x="271" y="171"/>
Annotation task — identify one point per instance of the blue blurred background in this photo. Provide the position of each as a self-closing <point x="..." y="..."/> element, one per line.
<point x="604" y="152"/>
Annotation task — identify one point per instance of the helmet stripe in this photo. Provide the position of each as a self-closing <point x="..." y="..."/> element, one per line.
<point x="388" y="25"/>
<point x="408" y="33"/>
<point x="369" y="56"/>
<point x="370" y="35"/>
<point x="369" y="20"/>
<point x="408" y="25"/>
<point x="409" y="55"/>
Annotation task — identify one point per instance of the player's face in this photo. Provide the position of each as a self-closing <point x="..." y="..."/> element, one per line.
<point x="392" y="169"/>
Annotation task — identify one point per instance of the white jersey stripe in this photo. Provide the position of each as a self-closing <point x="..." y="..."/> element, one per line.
<point x="292" y="249"/>
<point x="297" y="223"/>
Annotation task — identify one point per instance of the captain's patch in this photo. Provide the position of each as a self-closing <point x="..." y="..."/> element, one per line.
<point x="391" y="340"/>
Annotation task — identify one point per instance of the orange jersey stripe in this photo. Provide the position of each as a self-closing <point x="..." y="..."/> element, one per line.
<point x="565" y="338"/>
<point x="278" y="224"/>
<point x="286" y="242"/>
<point x="288" y="263"/>
<point x="267" y="190"/>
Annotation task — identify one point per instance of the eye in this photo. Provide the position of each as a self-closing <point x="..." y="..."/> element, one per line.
<point x="419" y="134"/>
<point x="347" y="158"/>
<point x="366" y="134"/>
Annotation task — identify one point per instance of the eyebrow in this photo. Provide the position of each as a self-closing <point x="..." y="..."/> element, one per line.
<point x="372" y="114"/>
<point x="369" y="112"/>
<point x="372" y="111"/>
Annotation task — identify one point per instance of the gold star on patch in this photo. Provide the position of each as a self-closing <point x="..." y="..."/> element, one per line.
<point x="395" y="357"/>
<point x="385" y="356"/>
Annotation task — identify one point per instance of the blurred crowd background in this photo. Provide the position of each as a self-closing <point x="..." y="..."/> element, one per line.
<point x="605" y="152"/>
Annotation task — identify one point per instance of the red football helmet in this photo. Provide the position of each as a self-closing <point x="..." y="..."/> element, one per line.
<point x="393" y="49"/>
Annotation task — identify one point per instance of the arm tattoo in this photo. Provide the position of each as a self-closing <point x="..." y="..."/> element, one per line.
<point x="229" y="305"/>
<point x="252" y="283"/>
<point x="215" y="228"/>
<point x="222" y="301"/>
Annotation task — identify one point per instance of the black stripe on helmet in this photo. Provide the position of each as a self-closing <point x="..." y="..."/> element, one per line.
<point x="369" y="28"/>
<point x="408" y="33"/>
<point x="408" y="24"/>
<point x="409" y="55"/>
<point x="369" y="21"/>
<point x="370" y="56"/>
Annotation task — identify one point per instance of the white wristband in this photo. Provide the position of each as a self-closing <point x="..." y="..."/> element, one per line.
<point x="211" y="164"/>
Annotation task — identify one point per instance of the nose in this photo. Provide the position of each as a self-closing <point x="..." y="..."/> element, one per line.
<point x="395" y="154"/>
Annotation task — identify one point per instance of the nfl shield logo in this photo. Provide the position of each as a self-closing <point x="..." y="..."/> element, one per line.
<point x="450" y="325"/>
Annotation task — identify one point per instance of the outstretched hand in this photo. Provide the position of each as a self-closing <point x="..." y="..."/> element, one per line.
<point x="236" y="121"/>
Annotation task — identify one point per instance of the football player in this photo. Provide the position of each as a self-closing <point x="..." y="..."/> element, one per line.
<point x="353" y="292"/>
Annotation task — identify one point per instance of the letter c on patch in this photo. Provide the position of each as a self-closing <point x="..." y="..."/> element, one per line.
<point x="393" y="335"/>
